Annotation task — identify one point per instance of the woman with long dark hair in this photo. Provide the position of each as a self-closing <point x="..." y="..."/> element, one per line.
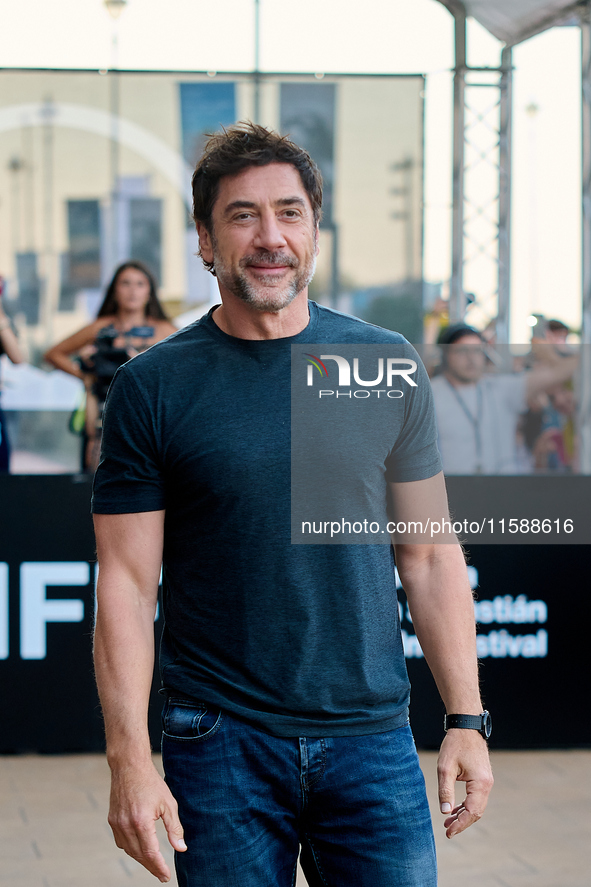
<point x="129" y="320"/>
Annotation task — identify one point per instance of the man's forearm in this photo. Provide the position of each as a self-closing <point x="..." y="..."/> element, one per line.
<point x="124" y="665"/>
<point x="440" y="600"/>
<point x="545" y="377"/>
<point x="129" y="548"/>
<point x="435" y="580"/>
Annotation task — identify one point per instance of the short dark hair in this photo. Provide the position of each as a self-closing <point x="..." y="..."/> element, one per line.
<point x="557" y="326"/>
<point x="109" y="306"/>
<point x="452" y="334"/>
<point x="237" y="147"/>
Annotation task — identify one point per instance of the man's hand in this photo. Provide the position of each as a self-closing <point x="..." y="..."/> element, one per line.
<point x="463" y="758"/>
<point x="139" y="797"/>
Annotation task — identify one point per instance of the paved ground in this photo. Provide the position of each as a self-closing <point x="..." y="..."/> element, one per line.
<point x="536" y="833"/>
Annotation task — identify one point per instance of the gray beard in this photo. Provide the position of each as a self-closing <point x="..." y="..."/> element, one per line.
<point x="250" y="293"/>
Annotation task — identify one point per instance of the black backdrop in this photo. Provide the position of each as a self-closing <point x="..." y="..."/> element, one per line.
<point x="537" y="701"/>
<point x="535" y="603"/>
<point x="50" y="704"/>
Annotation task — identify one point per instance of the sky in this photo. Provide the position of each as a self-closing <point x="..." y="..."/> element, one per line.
<point x="373" y="37"/>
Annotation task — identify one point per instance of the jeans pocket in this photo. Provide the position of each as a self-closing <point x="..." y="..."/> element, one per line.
<point x="185" y="719"/>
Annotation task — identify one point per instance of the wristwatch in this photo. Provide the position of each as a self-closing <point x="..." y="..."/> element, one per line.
<point x="481" y="722"/>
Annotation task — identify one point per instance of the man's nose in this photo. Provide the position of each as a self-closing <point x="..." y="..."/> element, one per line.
<point x="269" y="235"/>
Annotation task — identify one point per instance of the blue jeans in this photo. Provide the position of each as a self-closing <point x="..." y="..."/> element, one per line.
<point x="248" y="800"/>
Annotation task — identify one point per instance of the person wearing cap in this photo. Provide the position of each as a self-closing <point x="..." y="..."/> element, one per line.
<point x="478" y="412"/>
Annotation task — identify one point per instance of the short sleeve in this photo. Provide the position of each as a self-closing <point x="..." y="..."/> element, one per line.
<point x="415" y="455"/>
<point x="129" y="477"/>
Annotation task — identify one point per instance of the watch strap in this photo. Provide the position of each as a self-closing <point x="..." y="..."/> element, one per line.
<point x="481" y="722"/>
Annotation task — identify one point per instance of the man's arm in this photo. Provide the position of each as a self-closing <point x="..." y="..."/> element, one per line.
<point x="435" y="580"/>
<point x="130" y="553"/>
<point x="552" y="370"/>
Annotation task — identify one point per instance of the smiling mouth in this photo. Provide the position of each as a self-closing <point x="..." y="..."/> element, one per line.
<point x="269" y="262"/>
<point x="268" y="269"/>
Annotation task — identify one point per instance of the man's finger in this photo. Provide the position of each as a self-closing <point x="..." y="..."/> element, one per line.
<point x="141" y="843"/>
<point x="446" y="778"/>
<point x="460" y="820"/>
<point x="174" y="829"/>
<point x="477" y="795"/>
<point x="466" y="814"/>
<point x="155" y="863"/>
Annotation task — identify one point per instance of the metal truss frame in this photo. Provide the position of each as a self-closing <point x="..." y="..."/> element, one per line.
<point x="585" y="371"/>
<point x="498" y="248"/>
<point x="481" y="216"/>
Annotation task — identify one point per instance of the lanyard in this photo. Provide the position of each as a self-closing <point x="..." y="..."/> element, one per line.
<point x="475" y="421"/>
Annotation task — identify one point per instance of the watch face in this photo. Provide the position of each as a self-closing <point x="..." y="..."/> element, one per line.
<point x="486" y="724"/>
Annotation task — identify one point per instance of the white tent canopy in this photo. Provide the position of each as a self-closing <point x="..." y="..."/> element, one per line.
<point x="513" y="21"/>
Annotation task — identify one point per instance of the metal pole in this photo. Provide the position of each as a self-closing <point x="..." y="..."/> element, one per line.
<point x="457" y="298"/>
<point x="504" y="247"/>
<point x="114" y="153"/>
<point x="257" y="69"/>
<point x="15" y="165"/>
<point x="409" y="219"/>
<point x="586" y="158"/>
<point x="28" y="187"/>
<point x="49" y="298"/>
<point x="115" y="8"/>
<point x="585" y="367"/>
<point x="334" y="267"/>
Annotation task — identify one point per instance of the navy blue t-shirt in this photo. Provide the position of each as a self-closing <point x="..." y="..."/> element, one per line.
<point x="297" y="639"/>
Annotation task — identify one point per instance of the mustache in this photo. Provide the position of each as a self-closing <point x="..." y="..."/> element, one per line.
<point x="269" y="258"/>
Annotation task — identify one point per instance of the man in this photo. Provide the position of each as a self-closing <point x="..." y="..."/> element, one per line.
<point x="556" y="332"/>
<point x="478" y="412"/>
<point x="553" y="332"/>
<point x="286" y="721"/>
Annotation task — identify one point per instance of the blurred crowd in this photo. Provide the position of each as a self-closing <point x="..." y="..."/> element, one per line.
<point x="500" y="410"/>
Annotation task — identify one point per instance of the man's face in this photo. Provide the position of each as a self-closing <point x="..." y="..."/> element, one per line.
<point x="465" y="360"/>
<point x="263" y="240"/>
<point x="556" y="337"/>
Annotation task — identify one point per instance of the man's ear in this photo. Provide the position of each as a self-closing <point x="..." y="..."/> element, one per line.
<point x="205" y="242"/>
